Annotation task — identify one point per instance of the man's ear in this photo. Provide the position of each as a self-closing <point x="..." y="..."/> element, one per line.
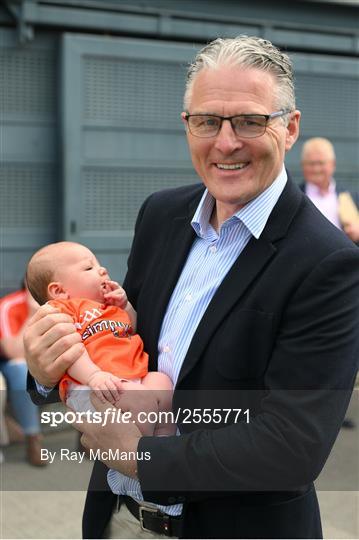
<point x="334" y="163"/>
<point x="56" y="291"/>
<point x="292" y="130"/>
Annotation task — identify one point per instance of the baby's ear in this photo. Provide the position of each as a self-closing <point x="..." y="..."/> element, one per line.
<point x="56" y="291"/>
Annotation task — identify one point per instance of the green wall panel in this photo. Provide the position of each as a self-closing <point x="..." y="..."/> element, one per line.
<point x="28" y="173"/>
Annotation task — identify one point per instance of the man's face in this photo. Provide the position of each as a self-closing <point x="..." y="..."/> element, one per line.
<point x="229" y="91"/>
<point x="80" y="273"/>
<point x="318" y="166"/>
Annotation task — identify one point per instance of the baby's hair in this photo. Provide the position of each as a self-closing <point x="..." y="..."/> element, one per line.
<point x="41" y="270"/>
<point x="39" y="274"/>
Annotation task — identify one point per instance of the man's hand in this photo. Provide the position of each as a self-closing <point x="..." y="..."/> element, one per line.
<point x="106" y="386"/>
<point x="352" y="230"/>
<point x="52" y="345"/>
<point x="115" y="436"/>
<point x="115" y="295"/>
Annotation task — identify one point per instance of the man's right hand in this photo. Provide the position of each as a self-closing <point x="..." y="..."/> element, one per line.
<point x="52" y="345"/>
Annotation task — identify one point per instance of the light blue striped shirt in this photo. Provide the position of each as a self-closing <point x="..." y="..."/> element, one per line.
<point x="209" y="260"/>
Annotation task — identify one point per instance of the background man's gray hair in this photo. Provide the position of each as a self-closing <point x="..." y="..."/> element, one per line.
<point x="318" y="143"/>
<point x="246" y="51"/>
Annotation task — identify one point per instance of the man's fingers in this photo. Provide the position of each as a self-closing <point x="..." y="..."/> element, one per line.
<point x="100" y="405"/>
<point x="107" y="394"/>
<point x="55" y="361"/>
<point x="62" y="334"/>
<point x="80" y="426"/>
<point x="85" y="442"/>
<point x="119" y="386"/>
<point x="113" y="390"/>
<point x="100" y="395"/>
<point x="69" y="356"/>
<point x="45" y="332"/>
<point x="69" y="348"/>
<point x="44" y="323"/>
<point x="42" y="312"/>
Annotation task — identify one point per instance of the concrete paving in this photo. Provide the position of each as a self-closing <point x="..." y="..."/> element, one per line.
<point x="48" y="503"/>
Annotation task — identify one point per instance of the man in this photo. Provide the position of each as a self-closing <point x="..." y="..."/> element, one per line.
<point x="318" y="165"/>
<point x="248" y="299"/>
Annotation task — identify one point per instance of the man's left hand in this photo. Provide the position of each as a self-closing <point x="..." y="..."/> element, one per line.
<point x="113" y="438"/>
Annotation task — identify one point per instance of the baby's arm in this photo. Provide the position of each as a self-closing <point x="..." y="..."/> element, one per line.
<point x="106" y="385"/>
<point x="116" y="296"/>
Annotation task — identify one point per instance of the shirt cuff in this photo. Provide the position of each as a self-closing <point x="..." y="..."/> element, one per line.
<point x="43" y="390"/>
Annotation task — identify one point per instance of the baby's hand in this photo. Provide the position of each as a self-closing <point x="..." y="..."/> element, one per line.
<point x="115" y="295"/>
<point x="106" y="386"/>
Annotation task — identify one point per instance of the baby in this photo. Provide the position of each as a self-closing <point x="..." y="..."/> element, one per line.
<point x="69" y="277"/>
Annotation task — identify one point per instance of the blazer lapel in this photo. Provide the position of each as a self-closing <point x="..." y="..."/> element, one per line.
<point x="250" y="263"/>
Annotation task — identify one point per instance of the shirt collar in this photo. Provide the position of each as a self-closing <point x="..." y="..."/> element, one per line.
<point x="312" y="189"/>
<point x="254" y="215"/>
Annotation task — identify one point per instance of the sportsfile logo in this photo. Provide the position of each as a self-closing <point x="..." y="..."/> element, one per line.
<point x="113" y="415"/>
<point x="110" y="415"/>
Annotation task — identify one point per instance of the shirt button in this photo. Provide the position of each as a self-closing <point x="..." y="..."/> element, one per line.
<point x="213" y="249"/>
<point x="188" y="297"/>
<point x="166" y="349"/>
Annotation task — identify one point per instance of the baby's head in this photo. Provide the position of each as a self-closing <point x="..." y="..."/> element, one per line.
<point x="65" y="270"/>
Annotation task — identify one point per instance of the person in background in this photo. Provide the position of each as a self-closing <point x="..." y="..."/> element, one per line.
<point x="15" y="310"/>
<point x="318" y="166"/>
<point x="4" y="437"/>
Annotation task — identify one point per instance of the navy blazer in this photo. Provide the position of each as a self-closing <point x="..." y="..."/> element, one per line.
<point x="279" y="338"/>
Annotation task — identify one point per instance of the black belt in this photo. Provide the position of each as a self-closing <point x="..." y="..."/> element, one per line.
<point x="152" y="519"/>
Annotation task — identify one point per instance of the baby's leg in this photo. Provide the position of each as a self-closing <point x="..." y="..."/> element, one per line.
<point x="161" y="385"/>
<point x="154" y="380"/>
<point x="141" y="403"/>
<point x="156" y="397"/>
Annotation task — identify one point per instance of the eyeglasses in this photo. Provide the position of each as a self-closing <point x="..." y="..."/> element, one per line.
<point x="248" y="126"/>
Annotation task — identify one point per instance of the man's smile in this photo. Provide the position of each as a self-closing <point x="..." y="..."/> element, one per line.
<point x="231" y="166"/>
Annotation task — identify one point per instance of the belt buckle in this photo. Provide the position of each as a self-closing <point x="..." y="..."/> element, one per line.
<point x="145" y="508"/>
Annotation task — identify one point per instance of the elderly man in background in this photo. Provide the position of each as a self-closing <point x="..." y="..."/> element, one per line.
<point x="248" y="298"/>
<point x="318" y="165"/>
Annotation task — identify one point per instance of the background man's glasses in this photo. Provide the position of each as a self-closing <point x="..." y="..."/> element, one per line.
<point x="248" y="126"/>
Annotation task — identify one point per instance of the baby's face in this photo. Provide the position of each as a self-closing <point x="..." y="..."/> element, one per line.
<point x="81" y="274"/>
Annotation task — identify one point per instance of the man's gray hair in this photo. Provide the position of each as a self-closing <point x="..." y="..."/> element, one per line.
<point x="247" y="52"/>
